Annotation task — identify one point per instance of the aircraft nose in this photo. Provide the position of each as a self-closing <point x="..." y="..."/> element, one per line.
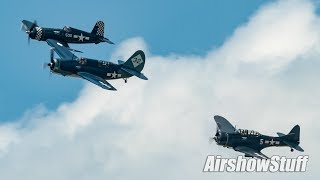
<point x="51" y="65"/>
<point x="32" y="34"/>
<point x="221" y="138"/>
<point x="215" y="138"/>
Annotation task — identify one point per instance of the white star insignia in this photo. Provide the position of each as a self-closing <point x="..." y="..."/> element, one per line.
<point x="272" y="142"/>
<point x="114" y="74"/>
<point x="81" y="37"/>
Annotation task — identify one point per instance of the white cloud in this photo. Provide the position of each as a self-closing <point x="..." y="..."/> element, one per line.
<point x="263" y="78"/>
<point x="274" y="36"/>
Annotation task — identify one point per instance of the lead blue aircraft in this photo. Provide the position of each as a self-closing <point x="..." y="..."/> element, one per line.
<point x="251" y="142"/>
<point x="65" y="35"/>
<point x="95" y="71"/>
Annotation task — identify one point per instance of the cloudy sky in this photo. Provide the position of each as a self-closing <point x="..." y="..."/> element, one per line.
<point x="255" y="64"/>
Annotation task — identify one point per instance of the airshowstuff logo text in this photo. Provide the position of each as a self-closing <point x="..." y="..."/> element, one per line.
<point x="242" y="164"/>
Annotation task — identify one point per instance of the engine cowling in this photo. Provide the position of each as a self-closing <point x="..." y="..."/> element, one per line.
<point x="221" y="138"/>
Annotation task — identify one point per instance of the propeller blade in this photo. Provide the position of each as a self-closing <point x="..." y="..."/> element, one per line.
<point x="45" y="65"/>
<point x="51" y="55"/>
<point x="28" y="40"/>
<point x="211" y="139"/>
<point x="34" y="24"/>
<point x="217" y="130"/>
<point x="24" y="28"/>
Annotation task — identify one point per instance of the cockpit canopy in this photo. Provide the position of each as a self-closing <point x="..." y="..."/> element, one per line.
<point x="67" y="28"/>
<point x="82" y="61"/>
<point x="248" y="132"/>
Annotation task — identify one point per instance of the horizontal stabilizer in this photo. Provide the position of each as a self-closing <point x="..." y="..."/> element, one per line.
<point x="280" y="134"/>
<point x="294" y="146"/>
<point x="134" y="73"/>
<point x="106" y="40"/>
<point x="292" y="139"/>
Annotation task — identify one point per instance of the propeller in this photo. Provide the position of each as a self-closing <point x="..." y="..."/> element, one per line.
<point x="52" y="62"/>
<point x="215" y="137"/>
<point x="24" y="27"/>
<point x="34" y="24"/>
<point x="44" y="65"/>
<point x="51" y="55"/>
<point x="28" y="27"/>
<point x="217" y="131"/>
<point x="211" y="139"/>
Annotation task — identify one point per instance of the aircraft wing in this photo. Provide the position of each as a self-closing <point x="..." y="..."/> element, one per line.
<point x="64" y="44"/>
<point x="61" y="50"/>
<point x="96" y="80"/>
<point x="224" y="125"/>
<point x="251" y="152"/>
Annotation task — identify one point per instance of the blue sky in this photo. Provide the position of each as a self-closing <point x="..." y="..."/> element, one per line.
<point x="182" y="27"/>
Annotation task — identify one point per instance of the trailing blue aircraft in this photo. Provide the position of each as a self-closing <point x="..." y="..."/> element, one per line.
<point x="251" y="142"/>
<point x="65" y="35"/>
<point x="95" y="71"/>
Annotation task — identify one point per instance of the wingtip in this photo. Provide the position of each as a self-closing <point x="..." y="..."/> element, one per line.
<point x="144" y="77"/>
<point x="110" y="88"/>
<point x="107" y="41"/>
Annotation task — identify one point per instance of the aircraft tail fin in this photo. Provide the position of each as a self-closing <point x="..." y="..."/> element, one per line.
<point x="135" y="64"/>
<point x="293" y="138"/>
<point x="98" y="29"/>
<point x="296" y="133"/>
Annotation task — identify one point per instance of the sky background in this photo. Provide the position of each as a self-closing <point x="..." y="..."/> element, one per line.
<point x="255" y="63"/>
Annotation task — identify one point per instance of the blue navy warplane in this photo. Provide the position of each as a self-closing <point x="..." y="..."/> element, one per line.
<point x="251" y="142"/>
<point x="95" y="71"/>
<point x="65" y="35"/>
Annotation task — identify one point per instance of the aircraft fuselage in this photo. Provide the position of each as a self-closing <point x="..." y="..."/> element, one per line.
<point x="66" y="35"/>
<point x="104" y="69"/>
<point x="252" y="141"/>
